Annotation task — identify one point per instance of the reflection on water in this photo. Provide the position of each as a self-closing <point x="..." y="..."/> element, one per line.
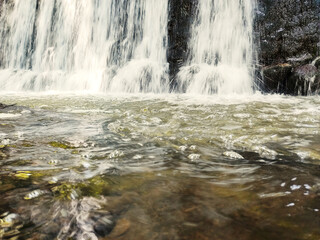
<point x="159" y="167"/>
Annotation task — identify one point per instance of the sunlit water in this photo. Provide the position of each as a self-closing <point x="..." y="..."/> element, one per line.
<point x="159" y="167"/>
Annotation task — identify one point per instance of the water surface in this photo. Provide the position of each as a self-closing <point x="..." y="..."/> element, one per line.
<point x="159" y="167"/>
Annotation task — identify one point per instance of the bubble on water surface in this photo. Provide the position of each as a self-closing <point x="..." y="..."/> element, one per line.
<point x="307" y="186"/>
<point x="194" y="157"/>
<point x="290" y="205"/>
<point x="295" y="187"/>
<point x="116" y="154"/>
<point x="136" y="157"/>
<point x="193" y="147"/>
<point x="265" y="152"/>
<point x="183" y="148"/>
<point x="53" y="162"/>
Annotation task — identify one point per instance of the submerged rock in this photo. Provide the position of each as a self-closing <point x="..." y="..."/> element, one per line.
<point x="63" y="145"/>
<point x="103" y="226"/>
<point x="122" y="226"/>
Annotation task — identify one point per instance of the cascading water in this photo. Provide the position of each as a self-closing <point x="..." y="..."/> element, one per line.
<point x="221" y="49"/>
<point x="86" y="45"/>
<point x="121" y="46"/>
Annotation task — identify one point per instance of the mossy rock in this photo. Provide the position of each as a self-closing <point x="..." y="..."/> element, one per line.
<point x="61" y="145"/>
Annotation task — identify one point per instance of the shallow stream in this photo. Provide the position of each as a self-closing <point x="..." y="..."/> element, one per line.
<point x="159" y="167"/>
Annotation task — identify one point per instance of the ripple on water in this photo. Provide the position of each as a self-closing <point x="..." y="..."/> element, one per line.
<point x="160" y="163"/>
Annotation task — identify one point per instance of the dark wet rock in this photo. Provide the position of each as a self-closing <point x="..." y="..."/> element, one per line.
<point x="300" y="60"/>
<point x="275" y="77"/>
<point x="288" y="29"/>
<point x="3" y="106"/>
<point x="285" y="78"/>
<point x="315" y="88"/>
<point x="317" y="63"/>
<point x="302" y="80"/>
<point x="103" y="226"/>
<point x="288" y="33"/>
<point x="119" y="204"/>
<point x="6" y="187"/>
<point x="307" y="71"/>
<point x="181" y="14"/>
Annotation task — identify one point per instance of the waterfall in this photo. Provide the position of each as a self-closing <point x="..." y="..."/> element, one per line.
<point x="121" y="46"/>
<point x="220" y="49"/>
<point x="85" y="45"/>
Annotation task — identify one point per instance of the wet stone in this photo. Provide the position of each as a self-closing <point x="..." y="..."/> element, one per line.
<point x="103" y="226"/>
<point x="122" y="226"/>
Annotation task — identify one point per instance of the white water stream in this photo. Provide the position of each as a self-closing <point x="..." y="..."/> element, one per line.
<point x="221" y="49"/>
<point x="121" y="46"/>
<point x="86" y="45"/>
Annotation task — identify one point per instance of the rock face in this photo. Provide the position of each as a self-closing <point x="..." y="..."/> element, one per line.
<point x="289" y="32"/>
<point x="181" y="14"/>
